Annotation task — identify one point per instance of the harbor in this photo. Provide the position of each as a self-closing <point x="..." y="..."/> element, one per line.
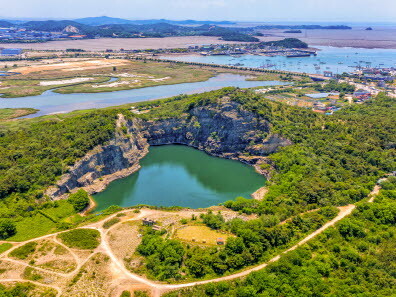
<point x="329" y="61"/>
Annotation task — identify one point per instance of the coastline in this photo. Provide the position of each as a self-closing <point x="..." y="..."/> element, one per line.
<point x="354" y="38"/>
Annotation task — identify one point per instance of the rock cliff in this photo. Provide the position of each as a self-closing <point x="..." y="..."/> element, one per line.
<point x="225" y="130"/>
<point x="117" y="159"/>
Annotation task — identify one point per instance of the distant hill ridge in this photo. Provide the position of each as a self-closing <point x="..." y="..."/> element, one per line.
<point x="5" y="24"/>
<point x="105" y="20"/>
<point x="108" y="27"/>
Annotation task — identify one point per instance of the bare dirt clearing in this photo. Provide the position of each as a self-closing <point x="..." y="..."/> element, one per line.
<point x="73" y="66"/>
<point x="66" y="81"/>
<point x="200" y="235"/>
<point x="124" y="239"/>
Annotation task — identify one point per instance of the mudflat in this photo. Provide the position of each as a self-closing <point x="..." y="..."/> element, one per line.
<point x="102" y="44"/>
<point x="359" y="37"/>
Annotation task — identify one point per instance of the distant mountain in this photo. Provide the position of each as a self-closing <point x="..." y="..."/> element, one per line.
<point x="185" y="22"/>
<point x="105" y="20"/>
<point x="52" y="26"/>
<point x="132" y="30"/>
<point x="5" y="24"/>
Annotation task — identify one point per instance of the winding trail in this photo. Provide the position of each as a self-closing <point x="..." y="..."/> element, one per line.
<point x="157" y="288"/>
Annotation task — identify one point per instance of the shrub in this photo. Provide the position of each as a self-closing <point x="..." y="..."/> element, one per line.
<point x="125" y="294"/>
<point x="140" y="294"/>
<point x="79" y="200"/>
<point x="7" y="228"/>
<point x="86" y="239"/>
<point x="213" y="221"/>
<point x="111" y="222"/>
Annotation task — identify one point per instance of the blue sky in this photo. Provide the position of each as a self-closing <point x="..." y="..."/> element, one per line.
<point x="243" y="10"/>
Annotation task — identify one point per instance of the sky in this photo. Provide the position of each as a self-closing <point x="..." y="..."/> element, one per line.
<point x="233" y="10"/>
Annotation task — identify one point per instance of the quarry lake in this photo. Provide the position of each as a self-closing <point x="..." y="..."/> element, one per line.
<point x="50" y="102"/>
<point x="176" y="175"/>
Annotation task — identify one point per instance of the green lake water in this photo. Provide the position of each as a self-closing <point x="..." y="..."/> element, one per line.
<point x="175" y="175"/>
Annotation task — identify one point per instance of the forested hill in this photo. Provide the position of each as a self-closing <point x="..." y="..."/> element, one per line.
<point x="104" y="20"/>
<point x="334" y="160"/>
<point x="121" y="28"/>
<point x="5" y="24"/>
<point x="131" y="30"/>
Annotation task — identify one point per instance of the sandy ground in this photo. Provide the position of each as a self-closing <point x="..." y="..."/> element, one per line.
<point x="73" y="66"/>
<point x="67" y="81"/>
<point x="102" y="44"/>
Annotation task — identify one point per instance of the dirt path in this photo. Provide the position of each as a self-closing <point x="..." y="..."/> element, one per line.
<point x="156" y="287"/>
<point x="344" y="211"/>
<point x="374" y="193"/>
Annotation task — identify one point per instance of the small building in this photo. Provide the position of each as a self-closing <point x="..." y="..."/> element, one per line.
<point x="361" y="93"/>
<point x="220" y="241"/>
<point x="148" y="222"/>
<point x="11" y="51"/>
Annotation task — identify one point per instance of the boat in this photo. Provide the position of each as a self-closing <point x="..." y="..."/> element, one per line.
<point x="297" y="55"/>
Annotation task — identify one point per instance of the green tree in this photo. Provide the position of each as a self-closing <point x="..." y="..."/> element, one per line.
<point x="7" y="228"/>
<point x="79" y="200"/>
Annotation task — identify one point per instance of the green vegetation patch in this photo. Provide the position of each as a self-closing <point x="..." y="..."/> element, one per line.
<point x="11" y="113"/>
<point x="86" y="239"/>
<point x="24" y="251"/>
<point x="355" y="258"/>
<point x="111" y="222"/>
<point x="251" y="242"/>
<point x="32" y="227"/>
<point x="5" y="247"/>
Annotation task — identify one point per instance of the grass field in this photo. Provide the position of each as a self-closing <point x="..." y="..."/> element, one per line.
<point x="42" y="223"/>
<point x="32" y="227"/>
<point x="200" y="235"/>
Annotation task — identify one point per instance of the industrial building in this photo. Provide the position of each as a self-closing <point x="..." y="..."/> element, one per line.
<point x="10" y="51"/>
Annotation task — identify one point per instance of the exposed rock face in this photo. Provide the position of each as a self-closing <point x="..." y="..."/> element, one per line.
<point x="105" y="163"/>
<point x="225" y="130"/>
<point x="71" y="29"/>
